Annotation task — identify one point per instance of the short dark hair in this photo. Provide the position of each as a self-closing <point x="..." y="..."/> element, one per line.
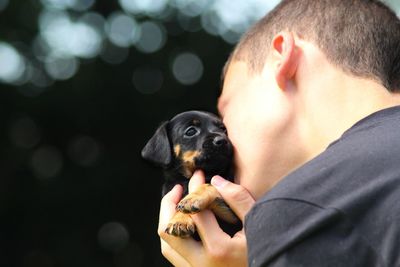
<point x="360" y="36"/>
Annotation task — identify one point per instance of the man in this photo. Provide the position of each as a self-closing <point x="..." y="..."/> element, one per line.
<point x="309" y="101"/>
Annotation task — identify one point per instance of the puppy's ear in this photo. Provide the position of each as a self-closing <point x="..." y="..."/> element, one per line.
<point x="158" y="149"/>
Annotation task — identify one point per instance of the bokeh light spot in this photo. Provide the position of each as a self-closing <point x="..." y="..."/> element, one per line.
<point x="46" y="162"/>
<point x="231" y="37"/>
<point x="187" y="68"/>
<point x="3" y="4"/>
<point x="241" y="15"/>
<point x="191" y="8"/>
<point x="149" y="7"/>
<point x="65" y="37"/>
<point x="59" y="4"/>
<point x="113" y="54"/>
<point x="61" y="68"/>
<point x="153" y="37"/>
<point x="12" y="64"/>
<point x="82" y="5"/>
<point x="38" y="78"/>
<point x="210" y="22"/>
<point x="94" y="19"/>
<point x="78" y="5"/>
<point x="147" y="80"/>
<point x="24" y="133"/>
<point x="86" y="42"/>
<point x="113" y="236"/>
<point x="84" y="150"/>
<point x="188" y="23"/>
<point x="40" y="48"/>
<point x="122" y="30"/>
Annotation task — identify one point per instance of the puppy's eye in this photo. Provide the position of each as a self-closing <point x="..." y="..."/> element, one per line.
<point x="191" y="131"/>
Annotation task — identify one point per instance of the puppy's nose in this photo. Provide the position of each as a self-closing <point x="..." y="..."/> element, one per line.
<point x="219" y="141"/>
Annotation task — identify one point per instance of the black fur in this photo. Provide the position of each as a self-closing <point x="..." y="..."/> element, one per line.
<point x="193" y="132"/>
<point x="210" y="140"/>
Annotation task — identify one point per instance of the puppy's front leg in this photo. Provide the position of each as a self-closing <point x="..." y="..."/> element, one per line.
<point x="207" y="197"/>
<point x="181" y="225"/>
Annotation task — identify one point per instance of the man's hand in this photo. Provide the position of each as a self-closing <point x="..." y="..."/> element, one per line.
<point x="217" y="248"/>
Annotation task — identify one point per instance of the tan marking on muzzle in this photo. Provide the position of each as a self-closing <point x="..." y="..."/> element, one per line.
<point x="177" y="150"/>
<point x="189" y="165"/>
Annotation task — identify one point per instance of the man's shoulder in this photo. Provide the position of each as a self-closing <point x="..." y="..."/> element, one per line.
<point x="339" y="196"/>
<point x="368" y="150"/>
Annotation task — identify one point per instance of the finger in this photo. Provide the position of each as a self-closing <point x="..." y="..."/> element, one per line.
<point x="187" y="248"/>
<point x="167" y="206"/>
<point x="197" y="179"/>
<point x="208" y="228"/>
<point x="173" y="256"/>
<point x="217" y="244"/>
<point x="237" y="197"/>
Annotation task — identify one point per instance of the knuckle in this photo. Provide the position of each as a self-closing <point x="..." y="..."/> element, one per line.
<point x="165" y="251"/>
<point x="161" y="233"/>
<point x="238" y="193"/>
<point x="219" y="254"/>
<point x="164" y="201"/>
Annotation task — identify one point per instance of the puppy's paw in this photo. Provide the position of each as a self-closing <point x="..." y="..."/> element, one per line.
<point x="198" y="200"/>
<point x="192" y="203"/>
<point x="181" y="225"/>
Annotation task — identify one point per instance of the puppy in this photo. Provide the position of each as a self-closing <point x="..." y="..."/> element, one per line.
<point x="189" y="141"/>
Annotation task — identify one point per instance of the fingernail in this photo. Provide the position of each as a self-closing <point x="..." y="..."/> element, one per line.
<point x="218" y="181"/>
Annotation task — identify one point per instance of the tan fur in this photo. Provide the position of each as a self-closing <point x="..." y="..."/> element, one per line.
<point x="207" y="197"/>
<point x="181" y="225"/>
<point x="177" y="150"/>
<point x="189" y="165"/>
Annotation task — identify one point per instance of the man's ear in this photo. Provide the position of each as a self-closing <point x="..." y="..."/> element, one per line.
<point x="158" y="148"/>
<point x="284" y="50"/>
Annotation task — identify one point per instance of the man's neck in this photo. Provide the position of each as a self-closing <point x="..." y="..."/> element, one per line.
<point x="341" y="103"/>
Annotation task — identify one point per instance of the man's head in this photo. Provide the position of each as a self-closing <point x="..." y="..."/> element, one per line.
<point x="360" y="36"/>
<point x="302" y="76"/>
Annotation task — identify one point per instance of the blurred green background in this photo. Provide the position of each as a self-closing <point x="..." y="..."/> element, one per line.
<point x="83" y="85"/>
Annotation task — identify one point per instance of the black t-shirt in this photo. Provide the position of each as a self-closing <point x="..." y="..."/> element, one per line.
<point x="340" y="209"/>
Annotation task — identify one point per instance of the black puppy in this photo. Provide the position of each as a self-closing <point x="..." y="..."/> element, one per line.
<point x="189" y="141"/>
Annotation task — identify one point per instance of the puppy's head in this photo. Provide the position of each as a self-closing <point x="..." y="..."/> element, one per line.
<point x="189" y="141"/>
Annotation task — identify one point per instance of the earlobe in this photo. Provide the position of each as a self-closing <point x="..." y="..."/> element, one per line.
<point x="284" y="47"/>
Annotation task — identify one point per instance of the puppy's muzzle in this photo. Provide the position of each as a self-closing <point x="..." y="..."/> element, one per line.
<point x="216" y="142"/>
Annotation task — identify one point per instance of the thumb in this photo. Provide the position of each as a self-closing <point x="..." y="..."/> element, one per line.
<point x="237" y="197"/>
<point x="196" y="180"/>
<point x="167" y="207"/>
